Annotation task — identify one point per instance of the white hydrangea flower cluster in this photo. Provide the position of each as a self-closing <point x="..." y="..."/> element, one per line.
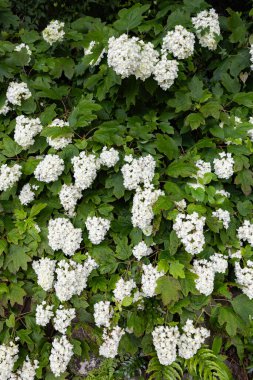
<point x="224" y="166"/>
<point x="191" y="340"/>
<point x="181" y="205"/>
<point x="63" y="318"/>
<point x="165" y="340"/>
<point x="63" y="235"/>
<point x="131" y="56"/>
<point x="25" y="130"/>
<point x="8" y="357"/>
<point x="244" y="277"/>
<point x="245" y="232"/>
<point x="123" y="289"/>
<point x="61" y="353"/>
<point x="89" y="51"/>
<point x="207" y="27"/>
<point x="189" y="228"/>
<point x="203" y="168"/>
<point x="165" y="72"/>
<point x="43" y="314"/>
<point x="27" y="194"/>
<point x="179" y="42"/>
<point x="108" y="157"/>
<point x="72" y="277"/>
<point x="53" y="32"/>
<point x="16" y="92"/>
<point x="59" y="142"/>
<point x="69" y="196"/>
<point x="49" y="169"/>
<point x="109" y="348"/>
<point x="27" y="371"/>
<point x="138" y="171"/>
<point x="97" y="228"/>
<point x="251" y="56"/>
<point x="206" y="270"/>
<point x="5" y="108"/>
<point x="85" y="169"/>
<point x="235" y="255"/>
<point x="223" y="193"/>
<point x="250" y="131"/>
<point x="148" y="279"/>
<point x="44" y="269"/>
<point x="141" y="250"/>
<point x="9" y="176"/>
<point x="102" y="313"/>
<point x="223" y="216"/>
<point x="26" y="47"/>
<point x="142" y="209"/>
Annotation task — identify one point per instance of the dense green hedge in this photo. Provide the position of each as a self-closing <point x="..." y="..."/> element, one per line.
<point x="168" y="139"/>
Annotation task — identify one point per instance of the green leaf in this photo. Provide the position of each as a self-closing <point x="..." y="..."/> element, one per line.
<point x="245" y="179"/>
<point x="83" y="114"/>
<point x="244" y="98"/>
<point x="17" y="258"/>
<point x="169" y="288"/>
<point x="194" y="120"/>
<point x="127" y="301"/>
<point x="37" y="208"/>
<point x="177" y="269"/>
<point x="167" y="145"/>
<point x="243" y="306"/>
<point x="196" y="87"/>
<point x="10" y="147"/>
<point x="122" y="248"/>
<point x="181" y="169"/>
<point x="16" y="294"/>
<point x="230" y="319"/>
<point x="211" y="108"/>
<point x="130" y="18"/>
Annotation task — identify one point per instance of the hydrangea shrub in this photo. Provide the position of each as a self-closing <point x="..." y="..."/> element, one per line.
<point x="126" y="195"/>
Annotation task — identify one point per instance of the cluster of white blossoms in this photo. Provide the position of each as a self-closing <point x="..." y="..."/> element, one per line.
<point x="179" y="42"/>
<point x="53" y="32"/>
<point x="168" y="339"/>
<point x="63" y="318"/>
<point x="27" y="194"/>
<point x="244" y="277"/>
<point x="25" y="130"/>
<point x="131" y="56"/>
<point x="97" y="228"/>
<point x="142" y="209"/>
<point x="103" y="313"/>
<point x="251" y="56"/>
<point x="206" y="270"/>
<point x="9" y="176"/>
<point x="27" y="371"/>
<point x="207" y="27"/>
<point x="224" y="166"/>
<point x="22" y="46"/>
<point x="63" y="235"/>
<point x="8" y="357"/>
<point x="123" y="289"/>
<point x="111" y="339"/>
<point x="43" y="314"/>
<point x="203" y="168"/>
<point x="138" y="171"/>
<point x="245" y="232"/>
<point x="191" y="340"/>
<point x="69" y="196"/>
<point x="165" y="72"/>
<point x="223" y="193"/>
<point x="16" y="92"/>
<point x="189" y="228"/>
<point x="5" y="108"/>
<point x="181" y="205"/>
<point x="89" y="51"/>
<point x="85" y="169"/>
<point x="59" y="142"/>
<point x="108" y="157"/>
<point x="165" y="340"/>
<point x="148" y="279"/>
<point x="223" y="216"/>
<point x="61" y="353"/>
<point x="44" y="269"/>
<point x="141" y="250"/>
<point x="72" y="277"/>
<point x="49" y="169"/>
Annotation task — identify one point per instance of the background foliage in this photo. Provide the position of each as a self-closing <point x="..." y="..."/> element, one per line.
<point x="176" y="127"/>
